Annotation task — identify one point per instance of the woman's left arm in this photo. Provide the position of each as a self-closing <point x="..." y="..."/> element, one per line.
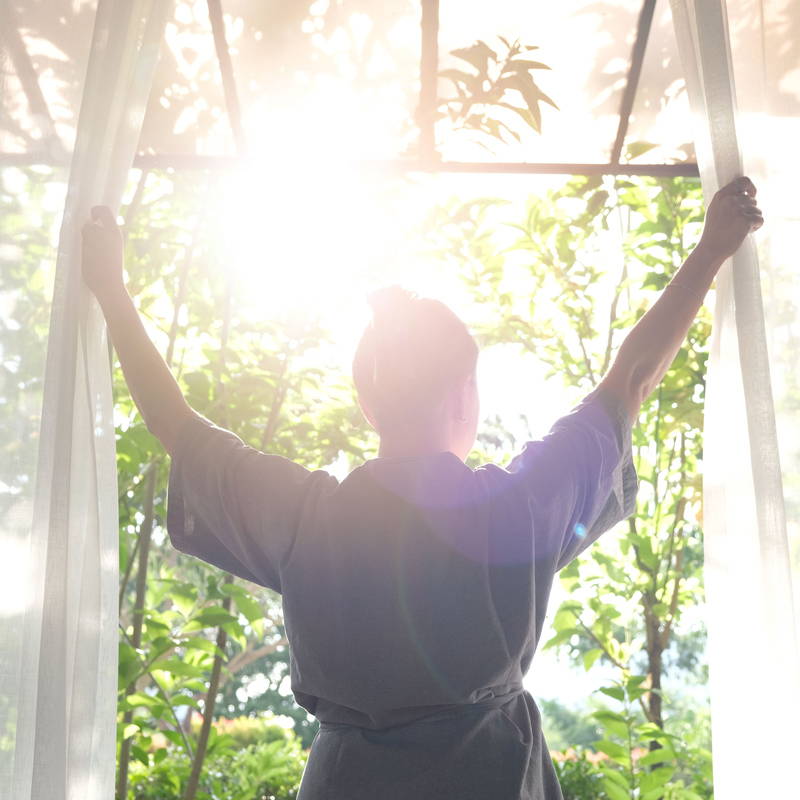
<point x="153" y="387"/>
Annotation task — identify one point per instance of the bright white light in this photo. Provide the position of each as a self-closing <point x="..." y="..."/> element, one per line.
<point x="15" y="577"/>
<point x="296" y="234"/>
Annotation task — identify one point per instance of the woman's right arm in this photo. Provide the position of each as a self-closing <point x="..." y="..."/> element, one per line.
<point x="152" y="385"/>
<point x="651" y="346"/>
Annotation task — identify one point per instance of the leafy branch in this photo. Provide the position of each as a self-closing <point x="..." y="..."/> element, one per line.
<point x="496" y="90"/>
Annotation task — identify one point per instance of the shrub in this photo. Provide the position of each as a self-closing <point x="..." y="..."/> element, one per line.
<point x="247" y="730"/>
<point x="579" y="776"/>
<point x="269" y="769"/>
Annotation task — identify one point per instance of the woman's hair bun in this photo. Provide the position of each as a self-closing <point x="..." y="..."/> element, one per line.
<point x="390" y="301"/>
<point x="412" y="353"/>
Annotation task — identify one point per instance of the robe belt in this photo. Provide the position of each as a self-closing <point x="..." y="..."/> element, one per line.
<point x="444" y="712"/>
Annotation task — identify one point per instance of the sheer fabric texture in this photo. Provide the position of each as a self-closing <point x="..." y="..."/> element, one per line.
<point x="59" y="656"/>
<point x="746" y="104"/>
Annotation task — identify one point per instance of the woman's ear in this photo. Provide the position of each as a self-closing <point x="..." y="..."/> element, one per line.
<point x="365" y="410"/>
<point x="463" y="398"/>
<point x="461" y="406"/>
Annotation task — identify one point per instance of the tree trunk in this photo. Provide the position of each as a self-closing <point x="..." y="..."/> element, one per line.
<point x="208" y="706"/>
<point x="654" y="700"/>
<point x="145" y="533"/>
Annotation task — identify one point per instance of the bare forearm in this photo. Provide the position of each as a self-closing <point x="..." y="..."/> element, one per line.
<point x="651" y="346"/>
<point x="152" y="385"/>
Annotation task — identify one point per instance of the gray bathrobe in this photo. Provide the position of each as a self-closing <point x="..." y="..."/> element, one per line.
<point x="414" y="593"/>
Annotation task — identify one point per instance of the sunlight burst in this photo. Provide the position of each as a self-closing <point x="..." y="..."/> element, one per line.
<point x="289" y="234"/>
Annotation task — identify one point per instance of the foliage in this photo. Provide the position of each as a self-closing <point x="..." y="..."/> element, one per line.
<point x="269" y="769"/>
<point x="294" y="62"/>
<point x="579" y="777"/>
<point x="245" y="731"/>
<point x="668" y="768"/>
<point x="257" y="689"/>
<point x="488" y="94"/>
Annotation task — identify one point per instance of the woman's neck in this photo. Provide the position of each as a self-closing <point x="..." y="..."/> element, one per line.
<point x="406" y="443"/>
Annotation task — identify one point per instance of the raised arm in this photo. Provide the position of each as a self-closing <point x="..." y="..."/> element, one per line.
<point x="651" y="346"/>
<point x="154" y="389"/>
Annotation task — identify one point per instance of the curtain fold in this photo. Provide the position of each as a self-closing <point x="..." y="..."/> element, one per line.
<point x="751" y="568"/>
<point x="61" y="675"/>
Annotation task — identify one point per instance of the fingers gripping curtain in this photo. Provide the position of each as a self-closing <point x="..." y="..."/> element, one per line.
<point x="751" y="565"/>
<point x="63" y="662"/>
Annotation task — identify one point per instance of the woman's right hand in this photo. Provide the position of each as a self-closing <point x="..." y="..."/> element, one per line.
<point x="102" y="253"/>
<point x="732" y="214"/>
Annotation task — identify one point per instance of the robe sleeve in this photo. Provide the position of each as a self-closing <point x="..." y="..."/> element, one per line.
<point x="580" y="479"/>
<point x="233" y="506"/>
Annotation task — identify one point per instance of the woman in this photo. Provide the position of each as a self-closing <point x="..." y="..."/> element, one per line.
<point x="414" y="590"/>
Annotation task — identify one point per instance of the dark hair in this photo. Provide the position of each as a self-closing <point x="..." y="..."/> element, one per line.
<point x="414" y="351"/>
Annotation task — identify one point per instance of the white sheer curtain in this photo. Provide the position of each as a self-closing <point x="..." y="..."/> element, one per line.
<point x="749" y="125"/>
<point x="59" y="659"/>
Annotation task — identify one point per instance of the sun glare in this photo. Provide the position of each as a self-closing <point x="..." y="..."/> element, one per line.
<point x="295" y="233"/>
<point x="15" y="576"/>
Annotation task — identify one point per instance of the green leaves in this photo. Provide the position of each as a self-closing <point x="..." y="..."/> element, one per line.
<point x="521" y="80"/>
<point x="217" y="617"/>
<point x="616" y="784"/>
<point x="616" y="752"/>
<point x="643" y="759"/>
<point x="590" y="657"/>
<point x="617" y="692"/>
<point x="636" y="149"/>
<point x="496" y="93"/>
<point x="478" y="54"/>
<point x="271" y="767"/>
<point x="247" y="605"/>
<point x="615" y="723"/>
